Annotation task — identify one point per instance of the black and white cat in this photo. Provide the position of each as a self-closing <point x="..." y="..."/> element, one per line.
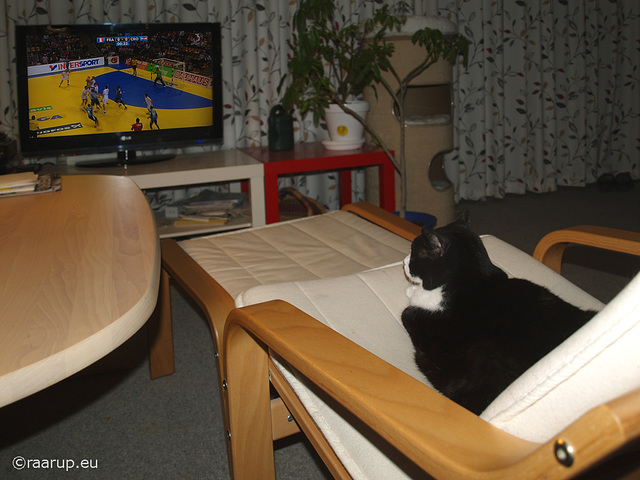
<point x="475" y="330"/>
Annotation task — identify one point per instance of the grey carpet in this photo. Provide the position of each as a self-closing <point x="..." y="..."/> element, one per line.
<point x="128" y="426"/>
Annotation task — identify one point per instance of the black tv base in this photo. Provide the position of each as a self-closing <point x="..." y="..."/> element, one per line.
<point x="125" y="158"/>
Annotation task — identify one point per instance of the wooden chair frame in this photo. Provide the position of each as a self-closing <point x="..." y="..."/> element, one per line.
<point x="216" y="304"/>
<point x="437" y="435"/>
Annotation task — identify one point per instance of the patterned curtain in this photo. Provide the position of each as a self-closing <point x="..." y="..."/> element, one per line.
<point x="551" y="94"/>
<point x="254" y="52"/>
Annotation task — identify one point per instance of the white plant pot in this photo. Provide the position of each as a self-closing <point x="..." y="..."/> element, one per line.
<point x="345" y="132"/>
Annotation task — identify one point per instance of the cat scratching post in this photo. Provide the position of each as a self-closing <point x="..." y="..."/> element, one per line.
<point x="429" y="128"/>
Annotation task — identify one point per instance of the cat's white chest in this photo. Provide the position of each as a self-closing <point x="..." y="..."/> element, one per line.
<point x="431" y="300"/>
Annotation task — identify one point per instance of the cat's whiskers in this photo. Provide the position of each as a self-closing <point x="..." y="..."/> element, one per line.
<point x="407" y="272"/>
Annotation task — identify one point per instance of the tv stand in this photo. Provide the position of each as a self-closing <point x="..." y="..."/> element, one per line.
<point x="191" y="170"/>
<point x="125" y="159"/>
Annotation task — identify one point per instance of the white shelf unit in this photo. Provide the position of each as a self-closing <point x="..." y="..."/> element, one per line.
<point x="193" y="169"/>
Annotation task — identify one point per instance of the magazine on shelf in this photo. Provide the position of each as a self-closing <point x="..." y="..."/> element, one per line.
<point x="210" y="208"/>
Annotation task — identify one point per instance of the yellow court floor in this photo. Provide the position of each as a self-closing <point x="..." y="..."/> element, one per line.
<point x="58" y="106"/>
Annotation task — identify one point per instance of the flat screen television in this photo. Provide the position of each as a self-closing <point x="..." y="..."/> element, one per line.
<point x="118" y="88"/>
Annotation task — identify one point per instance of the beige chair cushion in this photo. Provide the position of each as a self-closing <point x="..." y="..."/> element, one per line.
<point x="329" y="245"/>
<point x="598" y="363"/>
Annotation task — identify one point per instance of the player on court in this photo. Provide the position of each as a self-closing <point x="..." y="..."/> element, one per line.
<point x="93" y="96"/>
<point x="105" y="98"/>
<point x="65" y="76"/>
<point x="119" y="100"/>
<point x="153" y="115"/>
<point x="84" y="96"/>
<point x="92" y="116"/>
<point x="33" y="127"/>
<point x="136" y="127"/>
<point x="134" y="67"/>
<point x="159" y="76"/>
<point x="148" y="101"/>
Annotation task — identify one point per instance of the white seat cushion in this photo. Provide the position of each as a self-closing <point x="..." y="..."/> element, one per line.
<point x="322" y="246"/>
<point x="518" y="264"/>
<point x="598" y="363"/>
<point x="528" y="409"/>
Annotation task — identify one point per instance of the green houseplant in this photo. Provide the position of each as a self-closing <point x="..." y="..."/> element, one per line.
<point x="332" y="62"/>
<point x="328" y="65"/>
<point x="329" y="62"/>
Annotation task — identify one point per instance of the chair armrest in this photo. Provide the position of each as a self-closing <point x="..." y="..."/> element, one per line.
<point x="384" y="219"/>
<point x="438" y="435"/>
<point x="550" y="248"/>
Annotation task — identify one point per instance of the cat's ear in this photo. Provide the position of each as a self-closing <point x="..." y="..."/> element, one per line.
<point x="437" y="245"/>
<point x="464" y="217"/>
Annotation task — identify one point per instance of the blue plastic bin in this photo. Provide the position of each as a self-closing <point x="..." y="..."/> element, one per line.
<point x="421" y="219"/>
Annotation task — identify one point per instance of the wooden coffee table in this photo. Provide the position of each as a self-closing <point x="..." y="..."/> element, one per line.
<point x="79" y="274"/>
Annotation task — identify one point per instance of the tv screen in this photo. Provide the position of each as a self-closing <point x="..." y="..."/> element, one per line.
<point x="118" y="87"/>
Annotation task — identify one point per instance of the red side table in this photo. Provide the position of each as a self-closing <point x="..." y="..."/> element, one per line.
<point x="313" y="157"/>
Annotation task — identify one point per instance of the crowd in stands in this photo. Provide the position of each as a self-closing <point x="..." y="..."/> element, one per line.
<point x="188" y="47"/>
<point x="55" y="48"/>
